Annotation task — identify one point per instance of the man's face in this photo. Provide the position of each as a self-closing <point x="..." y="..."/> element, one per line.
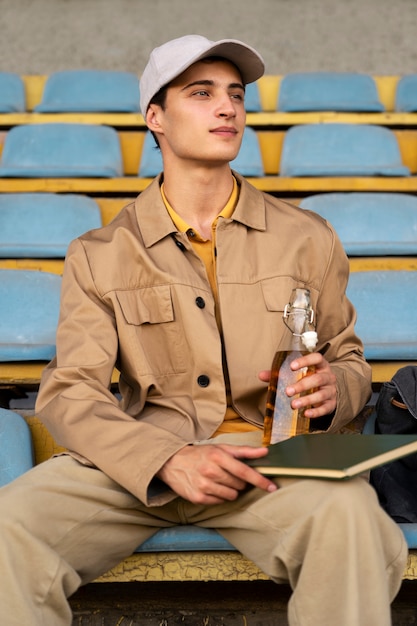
<point x="204" y="115"/>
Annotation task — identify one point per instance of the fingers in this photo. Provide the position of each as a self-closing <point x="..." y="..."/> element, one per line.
<point x="265" y="375"/>
<point x="316" y="392"/>
<point x="210" y="474"/>
<point x="247" y="473"/>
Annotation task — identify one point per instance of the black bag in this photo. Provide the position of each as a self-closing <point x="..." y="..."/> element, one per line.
<point x="396" y="413"/>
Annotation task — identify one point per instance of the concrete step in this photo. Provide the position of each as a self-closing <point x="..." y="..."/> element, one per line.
<point x="256" y="603"/>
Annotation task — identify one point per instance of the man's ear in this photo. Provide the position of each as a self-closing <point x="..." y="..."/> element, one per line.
<point x="152" y="118"/>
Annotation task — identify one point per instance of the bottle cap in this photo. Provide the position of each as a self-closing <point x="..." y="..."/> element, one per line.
<point x="309" y="339"/>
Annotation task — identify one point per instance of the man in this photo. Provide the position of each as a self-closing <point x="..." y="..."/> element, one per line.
<point x="184" y="293"/>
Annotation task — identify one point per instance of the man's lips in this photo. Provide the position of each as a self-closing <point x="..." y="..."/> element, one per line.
<point x="224" y="130"/>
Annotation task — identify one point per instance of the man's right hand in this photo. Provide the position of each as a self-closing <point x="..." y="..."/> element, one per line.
<point x="212" y="474"/>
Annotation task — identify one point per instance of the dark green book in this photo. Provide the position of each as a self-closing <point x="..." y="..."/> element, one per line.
<point x="338" y="457"/>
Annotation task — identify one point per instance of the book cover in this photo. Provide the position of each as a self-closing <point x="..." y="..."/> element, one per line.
<point x="332" y="456"/>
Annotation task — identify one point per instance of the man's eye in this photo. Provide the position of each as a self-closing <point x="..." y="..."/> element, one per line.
<point x="201" y="92"/>
<point x="238" y="96"/>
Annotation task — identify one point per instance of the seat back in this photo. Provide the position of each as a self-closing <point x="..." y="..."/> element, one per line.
<point x="248" y="162"/>
<point x="252" y="98"/>
<point x="16" y="450"/>
<point x="328" y="91"/>
<point x="29" y="309"/>
<point x="249" y="159"/>
<point x="370" y="224"/>
<point x="61" y="150"/>
<point x="406" y="94"/>
<point x="12" y="93"/>
<point x="386" y="304"/>
<point x="341" y="150"/>
<point x="41" y="225"/>
<point x="90" y="91"/>
<point x="150" y="164"/>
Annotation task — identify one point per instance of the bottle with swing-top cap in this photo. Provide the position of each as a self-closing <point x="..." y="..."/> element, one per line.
<point x="281" y="420"/>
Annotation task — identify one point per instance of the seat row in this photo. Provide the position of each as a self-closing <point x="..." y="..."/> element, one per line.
<point x="378" y="231"/>
<point x="41" y="225"/>
<point x="178" y="553"/>
<point x="310" y="151"/>
<point x="110" y="91"/>
<point x="384" y="301"/>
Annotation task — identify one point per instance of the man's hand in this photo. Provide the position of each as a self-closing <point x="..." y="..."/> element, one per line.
<point x="320" y="387"/>
<point x="212" y="474"/>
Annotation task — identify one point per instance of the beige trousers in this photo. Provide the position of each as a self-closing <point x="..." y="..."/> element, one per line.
<point x="63" y="524"/>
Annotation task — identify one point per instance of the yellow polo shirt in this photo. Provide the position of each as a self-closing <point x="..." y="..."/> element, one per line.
<point x="206" y="249"/>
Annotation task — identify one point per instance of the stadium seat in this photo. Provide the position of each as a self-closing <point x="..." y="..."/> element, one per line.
<point x="406" y="94"/>
<point x="150" y="164"/>
<point x="185" y="538"/>
<point x="386" y="303"/>
<point x="341" y="150"/>
<point x="328" y="91"/>
<point x="29" y="309"/>
<point x="16" y="450"/>
<point x="252" y="98"/>
<point x="90" y="91"/>
<point x="248" y="162"/>
<point x="41" y="225"/>
<point x="61" y="150"/>
<point x="12" y="93"/>
<point x="370" y="224"/>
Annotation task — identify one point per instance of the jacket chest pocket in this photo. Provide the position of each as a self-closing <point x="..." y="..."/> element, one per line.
<point x="152" y="338"/>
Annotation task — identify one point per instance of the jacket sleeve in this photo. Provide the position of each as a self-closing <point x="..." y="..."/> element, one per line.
<point x="339" y="343"/>
<point x="75" y="400"/>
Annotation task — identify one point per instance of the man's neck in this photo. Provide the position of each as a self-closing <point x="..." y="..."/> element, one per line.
<point x="199" y="195"/>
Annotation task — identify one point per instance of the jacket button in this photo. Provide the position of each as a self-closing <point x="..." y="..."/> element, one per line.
<point x="203" y="380"/>
<point x="200" y="302"/>
<point x="180" y="245"/>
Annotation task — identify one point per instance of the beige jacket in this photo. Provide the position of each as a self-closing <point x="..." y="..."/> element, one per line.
<point x="136" y="296"/>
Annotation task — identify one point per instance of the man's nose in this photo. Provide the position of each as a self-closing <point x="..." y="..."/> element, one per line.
<point x="226" y="107"/>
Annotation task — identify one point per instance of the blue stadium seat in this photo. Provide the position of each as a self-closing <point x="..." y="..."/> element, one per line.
<point x="386" y="303"/>
<point x="328" y="91"/>
<point x="185" y="538"/>
<point x="410" y="534"/>
<point x="16" y="450"/>
<point x="90" y="91"/>
<point x="252" y="98"/>
<point x="12" y="93"/>
<point x="248" y="162"/>
<point x="41" y="225"/>
<point x="370" y="224"/>
<point x="61" y="150"/>
<point x="406" y="94"/>
<point x="151" y="160"/>
<point x="29" y="309"/>
<point x="341" y="150"/>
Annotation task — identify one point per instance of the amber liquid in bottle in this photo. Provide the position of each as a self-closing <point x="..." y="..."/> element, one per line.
<point x="281" y="420"/>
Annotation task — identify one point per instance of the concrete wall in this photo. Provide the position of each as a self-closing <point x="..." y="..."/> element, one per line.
<point x="374" y="36"/>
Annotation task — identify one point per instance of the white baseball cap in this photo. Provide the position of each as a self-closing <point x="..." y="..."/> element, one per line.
<point x="172" y="59"/>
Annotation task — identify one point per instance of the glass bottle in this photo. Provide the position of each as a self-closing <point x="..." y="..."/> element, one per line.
<point x="281" y="420"/>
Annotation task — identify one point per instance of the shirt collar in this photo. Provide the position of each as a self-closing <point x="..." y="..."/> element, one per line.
<point x="155" y="223"/>
<point x="226" y="212"/>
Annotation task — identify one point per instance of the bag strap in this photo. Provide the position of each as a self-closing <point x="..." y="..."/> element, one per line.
<point x="399" y="404"/>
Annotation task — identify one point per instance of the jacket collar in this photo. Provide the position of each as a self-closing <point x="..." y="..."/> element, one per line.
<point x="155" y="223"/>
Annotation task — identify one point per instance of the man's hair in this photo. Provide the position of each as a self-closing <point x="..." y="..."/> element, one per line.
<point x="160" y="97"/>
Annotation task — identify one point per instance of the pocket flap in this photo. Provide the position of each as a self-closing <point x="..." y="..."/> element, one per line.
<point x="149" y="305"/>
